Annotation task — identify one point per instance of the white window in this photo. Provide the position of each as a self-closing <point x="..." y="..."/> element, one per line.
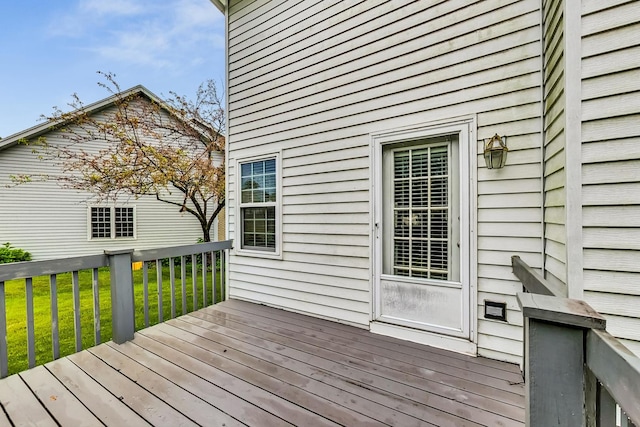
<point x="423" y="209"/>
<point x="112" y="222"/>
<point x="258" y="205"/>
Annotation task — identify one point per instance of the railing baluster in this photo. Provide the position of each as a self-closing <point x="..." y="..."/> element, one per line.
<point x="194" y="281"/>
<point x="172" y="272"/>
<point x="159" y="288"/>
<point x="605" y="407"/>
<point x="145" y="292"/>
<point x="183" y="279"/>
<point x="204" y="279"/>
<point x="31" y="340"/>
<point x="223" y="275"/>
<point x="625" y="421"/>
<point x="214" y="281"/>
<point x="55" y="329"/>
<point x="75" y="280"/>
<point x="4" y="365"/>
<point x="96" y="307"/>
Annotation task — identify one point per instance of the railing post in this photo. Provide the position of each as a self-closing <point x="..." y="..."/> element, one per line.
<point x="122" y="305"/>
<point x="555" y="354"/>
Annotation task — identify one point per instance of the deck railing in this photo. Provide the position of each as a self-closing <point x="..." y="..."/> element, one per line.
<point x="205" y="285"/>
<point x="576" y="373"/>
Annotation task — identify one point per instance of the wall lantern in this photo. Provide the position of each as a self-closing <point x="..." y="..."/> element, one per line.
<point x="495" y="152"/>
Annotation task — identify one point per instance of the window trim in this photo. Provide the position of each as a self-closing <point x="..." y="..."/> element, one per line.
<point x="112" y="209"/>
<point x="244" y="251"/>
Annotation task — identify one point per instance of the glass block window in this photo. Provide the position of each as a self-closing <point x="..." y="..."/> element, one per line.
<point x="112" y="222"/>
<point x="258" y="200"/>
<point x="421" y="212"/>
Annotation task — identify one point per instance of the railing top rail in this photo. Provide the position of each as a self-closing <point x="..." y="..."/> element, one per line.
<point x="21" y="270"/>
<point x="564" y="311"/>
<point x="617" y="369"/>
<point x="176" y="251"/>
<point x="533" y="282"/>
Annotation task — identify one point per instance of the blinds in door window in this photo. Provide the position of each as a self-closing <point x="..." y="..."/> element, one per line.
<point x="421" y="212"/>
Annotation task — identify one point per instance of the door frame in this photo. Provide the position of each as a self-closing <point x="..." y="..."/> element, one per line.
<point x="465" y="127"/>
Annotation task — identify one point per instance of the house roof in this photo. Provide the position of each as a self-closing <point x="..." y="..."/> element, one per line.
<point x="38" y="130"/>
<point x="220" y="4"/>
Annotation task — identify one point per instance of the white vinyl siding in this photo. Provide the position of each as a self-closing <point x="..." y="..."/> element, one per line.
<point x="554" y="141"/>
<point x="611" y="163"/>
<point x="316" y="79"/>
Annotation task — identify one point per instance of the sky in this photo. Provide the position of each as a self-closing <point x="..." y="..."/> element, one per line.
<point x="51" y="49"/>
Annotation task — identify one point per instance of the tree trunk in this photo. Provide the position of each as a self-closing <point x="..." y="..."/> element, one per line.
<point x="206" y="233"/>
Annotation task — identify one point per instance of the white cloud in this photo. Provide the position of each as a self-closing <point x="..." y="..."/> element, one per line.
<point x="111" y="7"/>
<point x="171" y="34"/>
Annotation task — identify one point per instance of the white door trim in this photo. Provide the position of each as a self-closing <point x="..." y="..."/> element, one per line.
<point x="465" y="128"/>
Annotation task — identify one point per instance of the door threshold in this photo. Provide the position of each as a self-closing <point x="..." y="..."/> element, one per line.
<point x="459" y="345"/>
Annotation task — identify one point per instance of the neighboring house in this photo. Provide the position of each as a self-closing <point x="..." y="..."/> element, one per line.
<point x="357" y="188"/>
<point x="53" y="222"/>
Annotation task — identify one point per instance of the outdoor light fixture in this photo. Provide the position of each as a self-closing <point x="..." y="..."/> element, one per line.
<point x="495" y="152"/>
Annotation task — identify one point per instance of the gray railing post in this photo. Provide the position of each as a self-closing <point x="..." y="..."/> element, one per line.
<point x="555" y="354"/>
<point x="122" y="305"/>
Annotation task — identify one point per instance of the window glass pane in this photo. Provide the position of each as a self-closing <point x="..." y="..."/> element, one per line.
<point x="247" y="183"/>
<point x="270" y="181"/>
<point x="401" y="164"/>
<point x="258" y="227"/>
<point x="420" y="223"/>
<point x="258" y="196"/>
<point x="420" y="162"/>
<point x="401" y="193"/>
<point x="270" y="166"/>
<point x="439" y="191"/>
<point x="420" y="192"/>
<point x="402" y="223"/>
<point x="421" y="212"/>
<point x="100" y="222"/>
<point x="270" y="195"/>
<point x="439" y="161"/>
<point x="124" y="223"/>
<point x="247" y="196"/>
<point x="439" y="226"/>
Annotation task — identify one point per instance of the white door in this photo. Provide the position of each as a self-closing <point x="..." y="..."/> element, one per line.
<point x="422" y="237"/>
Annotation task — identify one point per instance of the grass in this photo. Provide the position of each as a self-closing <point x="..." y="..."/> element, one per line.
<point x="17" y="318"/>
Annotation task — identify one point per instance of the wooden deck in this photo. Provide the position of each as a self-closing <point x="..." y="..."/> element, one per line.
<point x="238" y="363"/>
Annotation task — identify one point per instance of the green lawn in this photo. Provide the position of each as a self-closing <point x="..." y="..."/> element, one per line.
<point x="17" y="317"/>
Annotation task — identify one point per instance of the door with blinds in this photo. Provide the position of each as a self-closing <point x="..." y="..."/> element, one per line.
<point x="423" y="235"/>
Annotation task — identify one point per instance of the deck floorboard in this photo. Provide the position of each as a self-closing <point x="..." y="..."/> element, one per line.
<point x="239" y="363"/>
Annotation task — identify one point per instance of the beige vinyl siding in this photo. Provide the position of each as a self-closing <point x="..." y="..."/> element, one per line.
<point x="554" y="141"/>
<point x="52" y="222"/>
<point x="313" y="80"/>
<point x="611" y="163"/>
<point x="221" y="228"/>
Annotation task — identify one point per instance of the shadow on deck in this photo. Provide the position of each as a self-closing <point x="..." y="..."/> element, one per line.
<point x="238" y="363"/>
